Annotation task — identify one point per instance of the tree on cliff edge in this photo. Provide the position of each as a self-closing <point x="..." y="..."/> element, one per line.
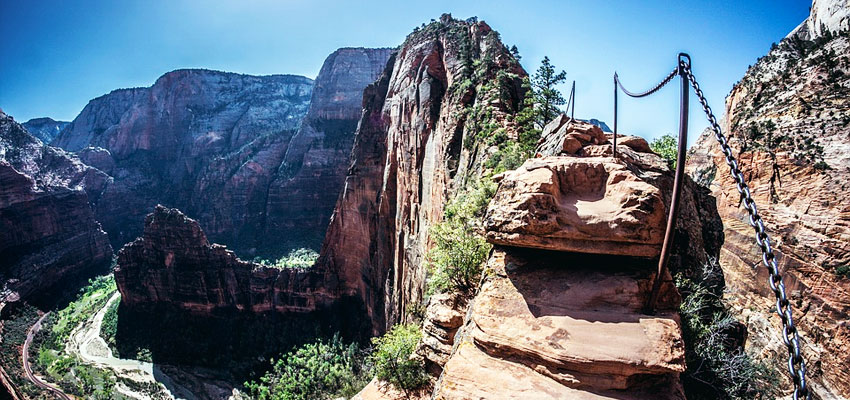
<point x="546" y="95"/>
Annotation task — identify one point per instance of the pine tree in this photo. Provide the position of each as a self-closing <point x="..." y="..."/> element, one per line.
<point x="546" y="95"/>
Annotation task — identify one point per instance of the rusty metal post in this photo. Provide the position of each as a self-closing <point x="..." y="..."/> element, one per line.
<point x="684" y="60"/>
<point x="615" y="115"/>
<point x="573" y="102"/>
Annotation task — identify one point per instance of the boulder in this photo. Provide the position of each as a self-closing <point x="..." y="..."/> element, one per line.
<point x="589" y="205"/>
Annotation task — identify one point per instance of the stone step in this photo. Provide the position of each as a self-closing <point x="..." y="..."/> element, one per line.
<point x="473" y="374"/>
<point x="577" y="326"/>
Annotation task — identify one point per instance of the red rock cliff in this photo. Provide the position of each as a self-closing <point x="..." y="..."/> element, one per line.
<point x="412" y="149"/>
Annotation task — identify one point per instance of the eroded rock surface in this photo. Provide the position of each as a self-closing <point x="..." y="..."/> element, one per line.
<point x="589" y="205"/>
<point x="48" y="233"/>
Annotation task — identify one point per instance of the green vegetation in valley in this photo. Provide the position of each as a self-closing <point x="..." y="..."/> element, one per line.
<point x="314" y="371"/>
<point x="302" y="258"/>
<point x="717" y="365"/>
<point x="109" y="327"/>
<point x="666" y="146"/>
<point x="48" y="348"/>
<point x="392" y="358"/>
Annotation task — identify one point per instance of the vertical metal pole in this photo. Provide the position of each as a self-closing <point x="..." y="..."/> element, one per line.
<point x="573" y="97"/>
<point x="677" y="186"/>
<point x="615" y="115"/>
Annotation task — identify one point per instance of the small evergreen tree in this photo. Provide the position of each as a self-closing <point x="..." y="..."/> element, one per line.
<point x="546" y="95"/>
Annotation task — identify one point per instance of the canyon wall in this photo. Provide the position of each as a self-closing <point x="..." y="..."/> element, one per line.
<point x="48" y="233"/>
<point x="788" y="120"/>
<point x="416" y="144"/>
<point x="200" y="140"/>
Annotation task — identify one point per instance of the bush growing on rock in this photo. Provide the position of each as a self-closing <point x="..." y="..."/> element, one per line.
<point x="667" y="147"/>
<point x="319" y="370"/>
<point x="717" y="365"/>
<point x="459" y="249"/>
<point x="393" y="361"/>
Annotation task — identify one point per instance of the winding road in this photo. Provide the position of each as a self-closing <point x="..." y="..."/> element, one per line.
<point x="28" y="368"/>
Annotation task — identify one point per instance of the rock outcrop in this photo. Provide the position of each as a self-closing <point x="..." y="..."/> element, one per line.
<point x="45" y="129"/>
<point x="208" y="305"/>
<point x="788" y="122"/>
<point x="560" y="311"/>
<point x="48" y="233"/>
<point x="173" y="263"/>
<point x="415" y="143"/>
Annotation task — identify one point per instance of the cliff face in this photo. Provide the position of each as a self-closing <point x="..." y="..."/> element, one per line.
<point x="49" y="233"/>
<point x="414" y="145"/>
<point x="194" y="302"/>
<point x="45" y="129"/>
<point x="789" y="120"/>
<point x="307" y="184"/>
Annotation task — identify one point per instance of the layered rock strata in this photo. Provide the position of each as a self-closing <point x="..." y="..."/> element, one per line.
<point x="48" y="233"/>
<point x="560" y="312"/>
<point x="190" y="301"/>
<point x="788" y="125"/>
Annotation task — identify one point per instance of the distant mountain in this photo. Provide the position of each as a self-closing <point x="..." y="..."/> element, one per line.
<point x="44" y="128"/>
<point x="602" y="125"/>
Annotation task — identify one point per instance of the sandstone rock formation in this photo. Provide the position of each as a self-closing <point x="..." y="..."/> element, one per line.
<point x="193" y="302"/>
<point x="547" y="325"/>
<point x="414" y="146"/>
<point x="174" y="263"/>
<point x="45" y="129"/>
<point x="560" y="311"/>
<point x="826" y="16"/>
<point x="589" y="205"/>
<point x="48" y="233"/>
<point x="788" y="122"/>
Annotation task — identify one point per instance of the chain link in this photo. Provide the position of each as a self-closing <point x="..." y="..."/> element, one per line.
<point x="650" y="91"/>
<point x="796" y="364"/>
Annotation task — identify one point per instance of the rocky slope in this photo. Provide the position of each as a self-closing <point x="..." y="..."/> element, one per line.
<point x="45" y="129"/>
<point x="418" y="140"/>
<point x="560" y="309"/>
<point x="48" y="233"/>
<point x="789" y="120"/>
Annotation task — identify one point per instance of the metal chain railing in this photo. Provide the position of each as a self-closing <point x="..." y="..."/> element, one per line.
<point x="796" y="364"/>
<point x="790" y="337"/>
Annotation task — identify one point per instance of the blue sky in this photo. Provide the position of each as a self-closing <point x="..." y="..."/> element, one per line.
<point x="57" y="55"/>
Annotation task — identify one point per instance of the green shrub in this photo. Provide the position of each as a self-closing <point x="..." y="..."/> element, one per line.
<point x="319" y="370"/>
<point x="392" y="358"/>
<point x="716" y="367"/>
<point x="667" y="147"/>
<point x="455" y="261"/>
<point x="302" y="258"/>
<point x="843" y="270"/>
